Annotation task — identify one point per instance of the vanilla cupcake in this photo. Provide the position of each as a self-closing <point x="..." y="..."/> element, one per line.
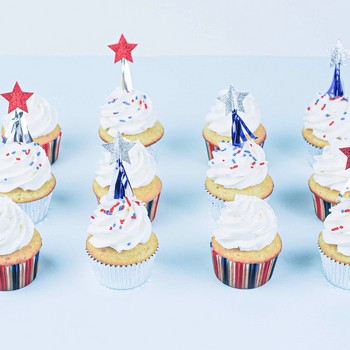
<point x="25" y="177"/>
<point x="20" y="244"/>
<point x="237" y="170"/>
<point x="132" y="114"/>
<point x="330" y="181"/>
<point x="121" y="245"/>
<point x="218" y="123"/>
<point x="42" y="120"/>
<point x="327" y="119"/>
<point x="141" y="172"/>
<point x="245" y="243"/>
<point x="334" y="245"/>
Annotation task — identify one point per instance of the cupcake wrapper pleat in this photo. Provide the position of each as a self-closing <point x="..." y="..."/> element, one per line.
<point x="152" y="149"/>
<point x="311" y="152"/>
<point x="152" y="206"/>
<point x="122" y="277"/>
<point x="242" y="275"/>
<point x="322" y="207"/>
<point x="37" y="210"/>
<point x="215" y="205"/>
<point x="17" y="276"/>
<point x="335" y="272"/>
<point x="52" y="148"/>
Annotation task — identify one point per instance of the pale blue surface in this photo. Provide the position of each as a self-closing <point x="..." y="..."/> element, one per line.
<point x="183" y="305"/>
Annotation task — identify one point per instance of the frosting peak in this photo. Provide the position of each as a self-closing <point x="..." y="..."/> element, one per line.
<point x="127" y="112"/>
<point x="16" y="228"/>
<point x="247" y="223"/>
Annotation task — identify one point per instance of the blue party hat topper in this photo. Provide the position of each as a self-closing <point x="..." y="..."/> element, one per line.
<point x="119" y="150"/>
<point x="234" y="104"/>
<point x="338" y="56"/>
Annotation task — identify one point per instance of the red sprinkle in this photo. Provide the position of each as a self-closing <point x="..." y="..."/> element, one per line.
<point x="262" y="163"/>
<point x="324" y="106"/>
<point x="7" y="154"/>
<point x="308" y="108"/>
<point x="234" y="166"/>
<point x="18" y="158"/>
<point x="121" y="221"/>
<point x="331" y="123"/>
<point x="27" y="151"/>
<point x="92" y="217"/>
<point x="110" y="228"/>
<point x="146" y="105"/>
<point x="346" y="210"/>
<point x="127" y="200"/>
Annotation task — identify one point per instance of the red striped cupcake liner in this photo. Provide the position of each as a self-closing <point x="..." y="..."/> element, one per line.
<point x="322" y="207"/>
<point x="211" y="148"/>
<point x="242" y="275"/>
<point x="152" y="207"/>
<point x="52" y="148"/>
<point x="17" y="276"/>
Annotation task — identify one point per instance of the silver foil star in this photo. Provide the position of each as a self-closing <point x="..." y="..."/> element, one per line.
<point x="339" y="54"/>
<point x="233" y="100"/>
<point x="119" y="149"/>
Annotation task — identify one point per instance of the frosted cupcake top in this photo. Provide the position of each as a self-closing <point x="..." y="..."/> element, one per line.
<point x="24" y="166"/>
<point x="127" y="112"/>
<point x="120" y="224"/>
<point x="337" y="227"/>
<point x="141" y="170"/>
<point x="221" y="123"/>
<point x="16" y="228"/>
<point x="41" y="116"/>
<point x="248" y="223"/>
<point x="329" y="118"/>
<point x="330" y="167"/>
<point x="235" y="167"/>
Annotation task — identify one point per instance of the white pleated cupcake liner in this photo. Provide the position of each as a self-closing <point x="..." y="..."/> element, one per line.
<point x="336" y="273"/>
<point x="152" y="149"/>
<point x="311" y="152"/>
<point x="37" y="210"/>
<point x="122" y="277"/>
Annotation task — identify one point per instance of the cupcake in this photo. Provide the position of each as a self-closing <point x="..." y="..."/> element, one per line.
<point x="42" y="123"/>
<point x="20" y="244"/>
<point x="25" y="177"/>
<point x="245" y="243"/>
<point x="330" y="181"/>
<point x="218" y="121"/>
<point x="121" y="245"/>
<point x="142" y="175"/>
<point x="327" y="118"/>
<point x="237" y="170"/>
<point x="334" y="245"/>
<point x="131" y="114"/>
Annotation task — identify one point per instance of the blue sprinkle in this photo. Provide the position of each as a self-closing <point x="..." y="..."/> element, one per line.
<point x="129" y="243"/>
<point x="342" y="118"/>
<point x="24" y="150"/>
<point x="115" y="113"/>
<point x="129" y="117"/>
<point x="31" y="163"/>
<point x="136" y="98"/>
<point x="223" y="150"/>
<point x="122" y="120"/>
<point x="345" y="112"/>
<point x="233" y="161"/>
<point x="38" y="154"/>
<point x="14" y="152"/>
<point x="120" y="227"/>
<point x="246" y="151"/>
<point x="126" y="103"/>
<point x="37" y="168"/>
<point x="114" y="225"/>
<point x="342" y="210"/>
<point x="5" y="179"/>
<point x="138" y="109"/>
<point x="144" y="96"/>
<point x="244" y="155"/>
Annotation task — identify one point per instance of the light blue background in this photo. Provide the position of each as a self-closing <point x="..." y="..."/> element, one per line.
<point x="183" y="305"/>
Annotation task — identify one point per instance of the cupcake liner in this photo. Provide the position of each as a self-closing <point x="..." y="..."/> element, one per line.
<point x="52" y="148"/>
<point x="215" y="205"/>
<point x="152" y="206"/>
<point x="242" y="275"/>
<point x="312" y="151"/>
<point x="122" y="277"/>
<point x="37" y="210"/>
<point x="17" y="276"/>
<point x="152" y="149"/>
<point x="322" y="207"/>
<point x="336" y="273"/>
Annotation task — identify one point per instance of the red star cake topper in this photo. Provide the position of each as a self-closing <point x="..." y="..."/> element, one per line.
<point x="17" y="98"/>
<point x="122" y="49"/>
<point x="346" y="151"/>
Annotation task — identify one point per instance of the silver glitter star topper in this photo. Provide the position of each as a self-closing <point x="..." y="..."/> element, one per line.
<point x="119" y="149"/>
<point x="233" y="100"/>
<point x="338" y="55"/>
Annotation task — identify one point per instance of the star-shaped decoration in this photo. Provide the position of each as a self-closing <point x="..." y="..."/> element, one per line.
<point x="17" y="98"/>
<point x="122" y="49"/>
<point x="119" y="149"/>
<point x="339" y="54"/>
<point x="346" y="151"/>
<point x="233" y="100"/>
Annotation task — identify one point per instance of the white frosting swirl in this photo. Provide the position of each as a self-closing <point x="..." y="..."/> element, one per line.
<point x="119" y="224"/>
<point x="337" y="227"/>
<point x="329" y="167"/>
<point x="127" y="112"/>
<point x="328" y="118"/>
<point x="247" y="223"/>
<point x="141" y="170"/>
<point x="235" y="167"/>
<point x="16" y="228"/>
<point x="41" y="116"/>
<point x="221" y="123"/>
<point x="24" y="166"/>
